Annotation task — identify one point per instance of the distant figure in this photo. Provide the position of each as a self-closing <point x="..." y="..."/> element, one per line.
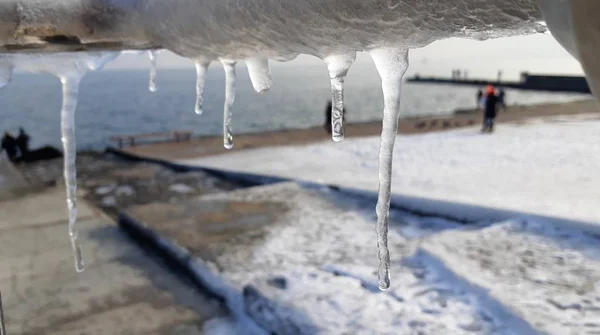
<point x="328" y="111"/>
<point x="41" y="154"/>
<point x="9" y="143"/>
<point x="491" y="101"/>
<point x="23" y="142"/>
<point x="501" y="100"/>
<point x="479" y="101"/>
<point x="421" y="125"/>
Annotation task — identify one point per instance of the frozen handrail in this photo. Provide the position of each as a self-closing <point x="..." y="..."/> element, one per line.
<point x="216" y="27"/>
<point x="70" y="25"/>
<point x="2" y="325"/>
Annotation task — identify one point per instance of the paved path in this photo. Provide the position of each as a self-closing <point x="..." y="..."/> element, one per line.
<point x="122" y="291"/>
<point x="11" y="182"/>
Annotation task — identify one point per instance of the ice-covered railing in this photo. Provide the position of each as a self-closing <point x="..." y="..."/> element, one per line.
<point x="255" y="31"/>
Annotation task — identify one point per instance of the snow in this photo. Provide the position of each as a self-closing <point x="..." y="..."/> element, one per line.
<point x="109" y="201"/>
<point x="548" y="275"/>
<point x="181" y="188"/>
<point x="322" y="246"/>
<point x="523" y="265"/>
<point x="104" y="190"/>
<point x="546" y="167"/>
<point x="124" y="190"/>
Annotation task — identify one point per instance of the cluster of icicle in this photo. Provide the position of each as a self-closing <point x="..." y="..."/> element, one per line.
<point x="391" y="63"/>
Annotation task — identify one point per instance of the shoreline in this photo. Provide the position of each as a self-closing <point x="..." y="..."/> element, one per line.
<point x="212" y="145"/>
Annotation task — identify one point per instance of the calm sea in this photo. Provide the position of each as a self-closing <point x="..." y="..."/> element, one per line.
<point x="118" y="102"/>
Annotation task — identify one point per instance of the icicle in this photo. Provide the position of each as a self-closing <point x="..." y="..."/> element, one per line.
<point x="338" y="66"/>
<point x="229" y="67"/>
<point x="153" y="54"/>
<point x="70" y="88"/>
<point x="260" y="74"/>
<point x="391" y="65"/>
<point x="5" y="74"/>
<point x="201" y="68"/>
<point x="69" y="68"/>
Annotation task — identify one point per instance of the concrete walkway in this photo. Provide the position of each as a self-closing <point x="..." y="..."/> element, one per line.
<point x="122" y="291"/>
<point x="11" y="181"/>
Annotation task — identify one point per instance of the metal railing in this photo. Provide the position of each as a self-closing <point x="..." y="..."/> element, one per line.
<point x="2" y="325"/>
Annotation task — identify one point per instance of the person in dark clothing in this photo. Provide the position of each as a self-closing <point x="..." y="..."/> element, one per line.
<point x="491" y="101"/>
<point x="10" y="145"/>
<point x="501" y="100"/>
<point x="328" y="110"/>
<point x="23" y="142"/>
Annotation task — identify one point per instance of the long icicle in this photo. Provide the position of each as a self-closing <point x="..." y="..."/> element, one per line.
<point x="338" y="66"/>
<point x="153" y="54"/>
<point x="201" y="68"/>
<point x="260" y="74"/>
<point x="229" y="67"/>
<point x="391" y="65"/>
<point x="70" y="90"/>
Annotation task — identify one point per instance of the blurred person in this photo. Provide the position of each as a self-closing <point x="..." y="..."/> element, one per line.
<point x="489" y="116"/>
<point x="479" y="101"/>
<point x="502" y="100"/>
<point x="23" y="142"/>
<point x="9" y="144"/>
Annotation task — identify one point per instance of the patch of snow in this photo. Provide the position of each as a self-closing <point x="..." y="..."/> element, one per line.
<point x="546" y="169"/>
<point x="125" y="190"/>
<point x="548" y="275"/>
<point x="221" y="326"/>
<point x="109" y="201"/>
<point x="323" y="248"/>
<point x="104" y="190"/>
<point x="181" y="188"/>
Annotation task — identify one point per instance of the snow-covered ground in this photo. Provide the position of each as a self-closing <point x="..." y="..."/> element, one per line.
<point x="314" y="273"/>
<point x="519" y="275"/>
<point x="546" y="167"/>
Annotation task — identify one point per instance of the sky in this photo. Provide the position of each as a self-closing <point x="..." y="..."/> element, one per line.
<point x="538" y="53"/>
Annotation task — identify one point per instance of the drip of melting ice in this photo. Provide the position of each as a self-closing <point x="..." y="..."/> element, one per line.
<point x="391" y="65"/>
<point x="152" y="54"/>
<point x="69" y="68"/>
<point x="201" y="68"/>
<point x="260" y="73"/>
<point x="229" y="67"/>
<point x="338" y="66"/>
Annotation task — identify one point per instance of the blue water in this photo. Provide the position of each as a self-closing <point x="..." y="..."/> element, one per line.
<point x="118" y="102"/>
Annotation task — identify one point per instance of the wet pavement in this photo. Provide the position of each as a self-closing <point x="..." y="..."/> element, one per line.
<point x="124" y="290"/>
